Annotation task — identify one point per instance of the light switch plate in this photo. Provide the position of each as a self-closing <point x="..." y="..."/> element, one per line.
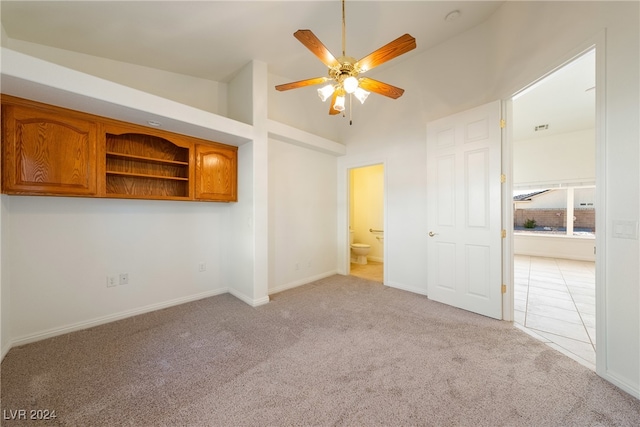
<point x="623" y="229"/>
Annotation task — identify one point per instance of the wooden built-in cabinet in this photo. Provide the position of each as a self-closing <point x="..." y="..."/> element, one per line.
<point x="216" y="173"/>
<point x="46" y="153"/>
<point x="53" y="151"/>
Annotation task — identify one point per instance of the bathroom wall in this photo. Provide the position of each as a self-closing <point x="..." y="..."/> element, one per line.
<point x="367" y="208"/>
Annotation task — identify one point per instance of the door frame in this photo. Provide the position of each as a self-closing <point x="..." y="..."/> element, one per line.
<point x="597" y="43"/>
<point x="343" y="229"/>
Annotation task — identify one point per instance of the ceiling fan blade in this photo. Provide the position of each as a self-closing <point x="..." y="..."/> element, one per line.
<point x="316" y="47"/>
<point x="399" y="46"/>
<point x="381" y="88"/>
<point x="333" y="111"/>
<point x="302" y="83"/>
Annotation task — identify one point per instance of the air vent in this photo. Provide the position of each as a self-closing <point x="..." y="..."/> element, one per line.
<point x="541" y="127"/>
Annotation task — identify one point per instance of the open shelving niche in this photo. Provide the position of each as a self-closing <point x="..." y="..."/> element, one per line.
<point x="139" y="165"/>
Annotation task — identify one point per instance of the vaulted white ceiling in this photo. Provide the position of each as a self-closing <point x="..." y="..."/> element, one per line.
<point x="215" y="39"/>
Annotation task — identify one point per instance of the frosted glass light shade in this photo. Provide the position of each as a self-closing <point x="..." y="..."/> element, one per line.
<point x="339" y="104"/>
<point x="361" y="94"/>
<point x="325" y="92"/>
<point x="350" y="84"/>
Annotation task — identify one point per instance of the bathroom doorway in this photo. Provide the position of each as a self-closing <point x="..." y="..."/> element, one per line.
<point x="366" y="222"/>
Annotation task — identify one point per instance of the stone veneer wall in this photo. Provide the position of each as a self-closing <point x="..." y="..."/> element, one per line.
<point x="585" y="218"/>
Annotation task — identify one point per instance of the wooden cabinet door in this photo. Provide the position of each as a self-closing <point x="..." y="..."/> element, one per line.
<point x="216" y="173"/>
<point x="47" y="153"/>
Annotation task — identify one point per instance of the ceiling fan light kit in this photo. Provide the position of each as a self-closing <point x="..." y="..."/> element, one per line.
<point x="361" y="95"/>
<point x="344" y="72"/>
<point x="338" y="104"/>
<point x="325" y="92"/>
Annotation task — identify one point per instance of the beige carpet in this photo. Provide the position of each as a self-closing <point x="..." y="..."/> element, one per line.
<point x="340" y="351"/>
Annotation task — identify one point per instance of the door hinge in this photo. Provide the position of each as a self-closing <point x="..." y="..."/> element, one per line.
<point x="504" y="288"/>
<point x="504" y="234"/>
<point x="503" y="123"/>
<point x="503" y="178"/>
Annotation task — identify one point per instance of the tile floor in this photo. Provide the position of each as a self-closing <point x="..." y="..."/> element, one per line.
<point x="372" y="270"/>
<point x="554" y="300"/>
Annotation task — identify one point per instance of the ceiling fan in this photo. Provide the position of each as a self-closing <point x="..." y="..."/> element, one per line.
<point x="344" y="71"/>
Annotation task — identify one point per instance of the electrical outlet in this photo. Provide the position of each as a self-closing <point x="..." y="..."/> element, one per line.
<point x="111" y="281"/>
<point x="202" y="267"/>
<point x="124" y="278"/>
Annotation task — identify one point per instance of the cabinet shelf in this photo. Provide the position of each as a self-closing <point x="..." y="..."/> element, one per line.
<point x="131" y="185"/>
<point x="145" y="166"/>
<point x="144" y="175"/>
<point x="146" y="159"/>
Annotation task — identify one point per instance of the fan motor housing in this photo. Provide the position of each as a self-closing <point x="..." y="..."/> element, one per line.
<point x="345" y="69"/>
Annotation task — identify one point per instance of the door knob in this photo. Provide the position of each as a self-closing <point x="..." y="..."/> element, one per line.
<point x="431" y="234"/>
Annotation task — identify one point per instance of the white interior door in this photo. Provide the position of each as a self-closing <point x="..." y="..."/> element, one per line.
<point x="464" y="211"/>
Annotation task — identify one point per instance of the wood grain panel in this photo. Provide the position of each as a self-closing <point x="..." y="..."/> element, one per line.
<point x="216" y="173"/>
<point x="145" y="187"/>
<point x="48" y="154"/>
<point x="146" y="146"/>
<point x="119" y="164"/>
<point x="51" y="152"/>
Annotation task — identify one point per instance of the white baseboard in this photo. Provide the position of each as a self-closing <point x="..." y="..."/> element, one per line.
<point x="110" y="318"/>
<point x="375" y="258"/>
<point x="252" y="302"/>
<point x="5" y="350"/>
<point x="301" y="282"/>
<point x="408" y="288"/>
<point x="558" y="255"/>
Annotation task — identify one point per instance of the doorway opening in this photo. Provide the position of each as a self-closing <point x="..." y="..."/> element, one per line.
<point x="554" y="209"/>
<point x="366" y="222"/>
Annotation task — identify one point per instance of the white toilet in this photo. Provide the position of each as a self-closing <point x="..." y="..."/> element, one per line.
<point x="359" y="251"/>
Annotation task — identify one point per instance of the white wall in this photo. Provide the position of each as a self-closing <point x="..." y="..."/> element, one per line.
<point x="261" y="231"/>
<point x="302" y="220"/>
<point x="240" y="96"/>
<point x="239" y="239"/>
<point x="207" y="95"/>
<point x="404" y="158"/>
<point x="367" y="208"/>
<point x="513" y="48"/>
<point x="5" y="296"/>
<point x="565" y="158"/>
<point x="555" y="246"/>
<point x="3" y="36"/>
<point x="62" y="249"/>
